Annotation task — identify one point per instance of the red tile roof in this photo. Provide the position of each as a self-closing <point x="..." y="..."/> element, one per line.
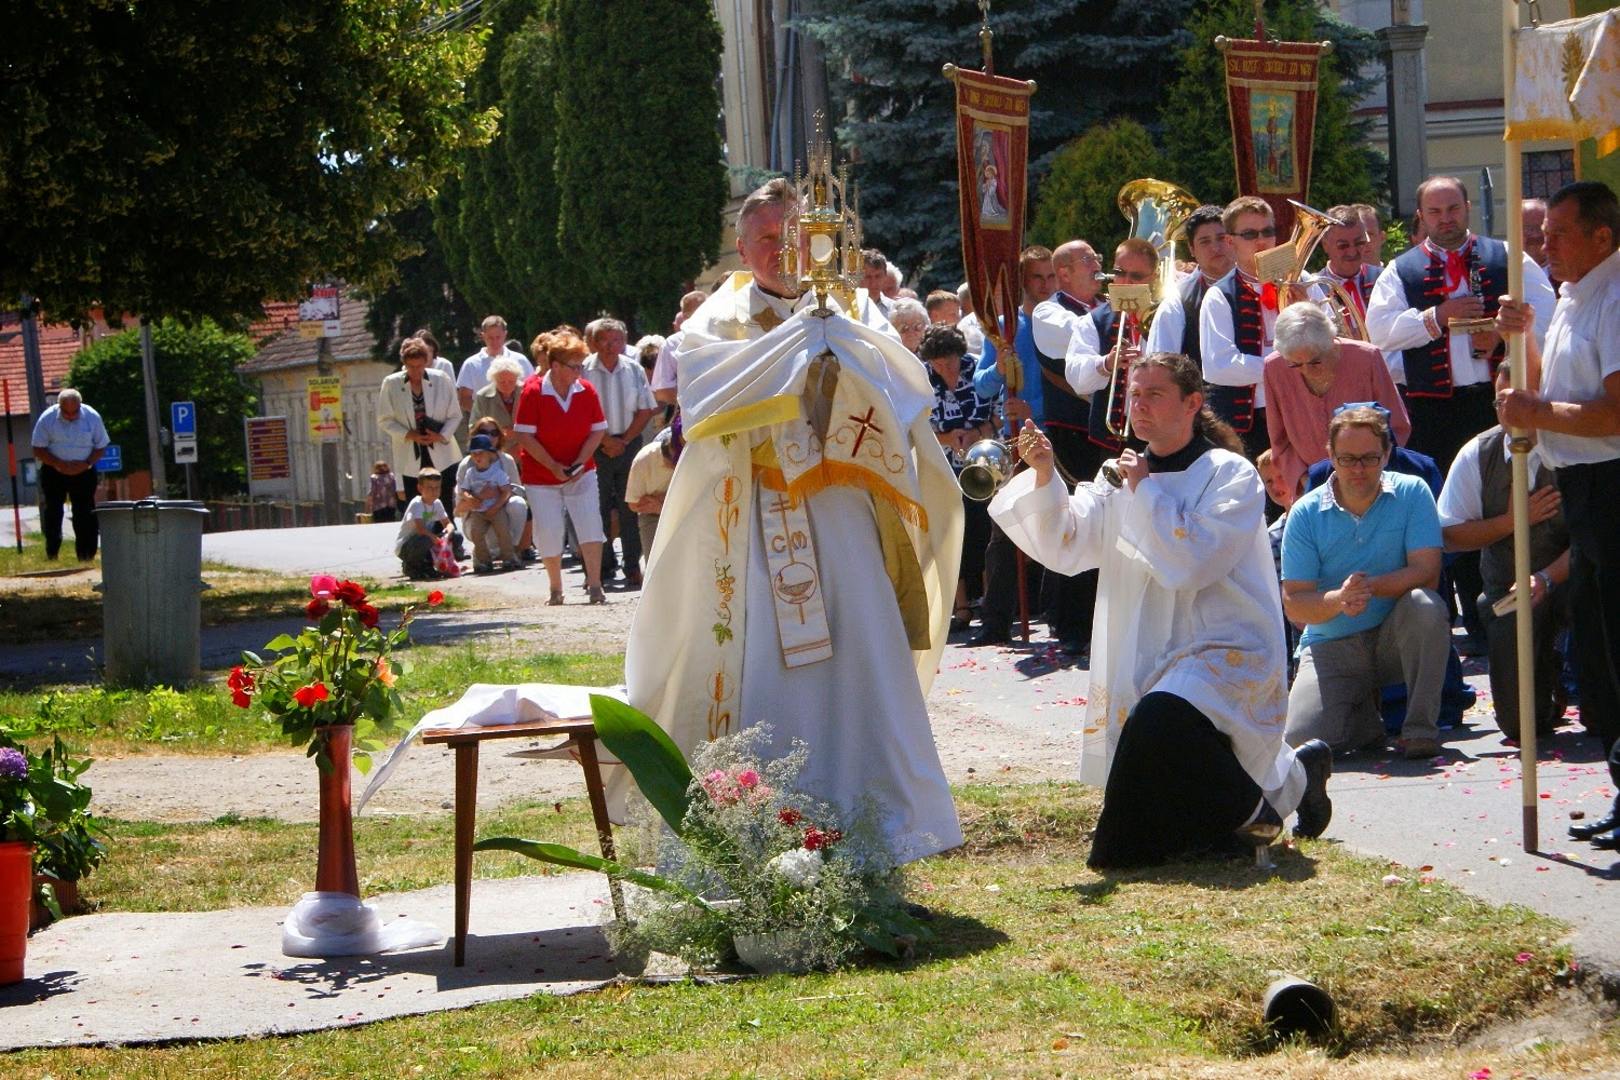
<point x="57" y="346"/>
<point x="288" y="350"/>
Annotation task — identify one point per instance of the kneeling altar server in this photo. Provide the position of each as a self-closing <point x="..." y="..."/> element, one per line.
<point x="1185" y="712"/>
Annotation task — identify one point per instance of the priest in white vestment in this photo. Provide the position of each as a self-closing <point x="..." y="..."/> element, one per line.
<point x="807" y="552"/>
<point x="1188" y="698"/>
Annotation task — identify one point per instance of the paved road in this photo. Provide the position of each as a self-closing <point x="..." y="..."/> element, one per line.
<point x="1459" y="815"/>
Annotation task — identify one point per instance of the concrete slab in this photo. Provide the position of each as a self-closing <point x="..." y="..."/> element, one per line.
<point x="142" y="978"/>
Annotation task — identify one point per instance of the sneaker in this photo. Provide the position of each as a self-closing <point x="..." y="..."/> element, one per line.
<point x="1420" y="749"/>
<point x="530" y="555"/>
<point x="1315" y="808"/>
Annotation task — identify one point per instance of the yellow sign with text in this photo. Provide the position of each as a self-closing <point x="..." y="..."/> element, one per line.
<point x="325" y="408"/>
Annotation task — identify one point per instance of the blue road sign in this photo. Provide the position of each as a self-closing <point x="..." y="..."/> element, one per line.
<point x="112" y="459"/>
<point x="183" y="419"/>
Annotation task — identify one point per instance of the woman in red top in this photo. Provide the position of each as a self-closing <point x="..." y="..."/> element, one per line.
<point x="558" y="425"/>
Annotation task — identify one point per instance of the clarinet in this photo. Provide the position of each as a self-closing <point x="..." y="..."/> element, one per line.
<point x="1476" y="287"/>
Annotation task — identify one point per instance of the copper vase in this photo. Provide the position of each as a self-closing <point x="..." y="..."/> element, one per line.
<point x="334" y="869"/>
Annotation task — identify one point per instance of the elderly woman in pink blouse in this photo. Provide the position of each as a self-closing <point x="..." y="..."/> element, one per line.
<point x="1310" y="374"/>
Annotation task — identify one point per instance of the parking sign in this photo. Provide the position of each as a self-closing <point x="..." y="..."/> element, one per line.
<point x="183" y="419"/>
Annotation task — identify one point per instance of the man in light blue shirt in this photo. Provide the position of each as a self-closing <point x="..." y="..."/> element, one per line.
<point x="68" y="441"/>
<point x="1360" y="563"/>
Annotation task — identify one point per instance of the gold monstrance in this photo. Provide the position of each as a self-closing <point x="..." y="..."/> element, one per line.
<point x="826" y="232"/>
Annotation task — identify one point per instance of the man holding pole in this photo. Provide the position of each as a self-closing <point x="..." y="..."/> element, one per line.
<point x="1576" y="412"/>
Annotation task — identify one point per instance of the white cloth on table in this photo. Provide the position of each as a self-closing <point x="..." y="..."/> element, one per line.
<point x="493" y="705"/>
<point x="1189" y="604"/>
<point x="341" y="924"/>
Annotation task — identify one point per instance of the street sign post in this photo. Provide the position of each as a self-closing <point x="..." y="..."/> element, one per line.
<point x="185" y="451"/>
<point x="183" y="419"/>
<point x="112" y="459"/>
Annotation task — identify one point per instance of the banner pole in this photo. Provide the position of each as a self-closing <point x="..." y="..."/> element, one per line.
<point x="1519" y="443"/>
<point x="11" y="467"/>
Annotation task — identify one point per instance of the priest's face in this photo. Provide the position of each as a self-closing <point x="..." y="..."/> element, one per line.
<point x="1160" y="415"/>
<point x="759" y="242"/>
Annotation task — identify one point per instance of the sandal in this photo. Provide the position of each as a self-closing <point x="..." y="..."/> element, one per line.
<point x="556" y="598"/>
<point x="597" y="596"/>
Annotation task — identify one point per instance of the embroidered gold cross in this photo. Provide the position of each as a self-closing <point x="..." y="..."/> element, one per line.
<point x="767" y="318"/>
<point x="865" y="424"/>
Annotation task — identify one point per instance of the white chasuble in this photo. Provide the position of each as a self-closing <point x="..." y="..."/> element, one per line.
<point x="806" y="558"/>
<point x="1188" y="603"/>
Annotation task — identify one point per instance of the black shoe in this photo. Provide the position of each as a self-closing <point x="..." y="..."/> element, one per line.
<point x="1073" y="648"/>
<point x="1264" y="829"/>
<point x="1587" y="829"/>
<point x="1609" y="841"/>
<point x="1315" y="808"/>
<point x="989" y="635"/>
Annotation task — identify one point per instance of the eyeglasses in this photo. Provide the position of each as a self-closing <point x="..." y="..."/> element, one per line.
<point x="1256" y="234"/>
<point x="573" y="367"/>
<point x="1357" y="461"/>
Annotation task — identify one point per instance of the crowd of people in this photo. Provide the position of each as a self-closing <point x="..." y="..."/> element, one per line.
<point x="1353" y="418"/>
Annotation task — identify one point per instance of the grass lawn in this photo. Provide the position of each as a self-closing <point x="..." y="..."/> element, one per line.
<point x="202" y="719"/>
<point x="70" y="609"/>
<point x="1042" y="967"/>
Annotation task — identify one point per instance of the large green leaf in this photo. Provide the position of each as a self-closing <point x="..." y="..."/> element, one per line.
<point x="561" y="855"/>
<point x="653" y="759"/>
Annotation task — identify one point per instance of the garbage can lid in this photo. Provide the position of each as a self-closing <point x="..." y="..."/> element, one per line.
<point x="153" y="504"/>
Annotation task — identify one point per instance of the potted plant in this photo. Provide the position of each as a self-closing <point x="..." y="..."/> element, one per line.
<point x="748" y="865"/>
<point x="332" y="690"/>
<point x="73" y="843"/>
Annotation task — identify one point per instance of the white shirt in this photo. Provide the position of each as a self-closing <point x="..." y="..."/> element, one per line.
<point x="1084" y="365"/>
<point x="649" y="473"/>
<point x="624" y="391"/>
<point x="663" y="375"/>
<point x="70" y="440"/>
<point x="1394" y="325"/>
<point x="1582" y="349"/>
<point x="443" y="364"/>
<point x="425" y="512"/>
<point x="1052" y="325"/>
<point x="969" y="325"/>
<point x="1170" y="319"/>
<point x="1224" y="364"/>
<point x="475" y="369"/>
<point x="1460" y="498"/>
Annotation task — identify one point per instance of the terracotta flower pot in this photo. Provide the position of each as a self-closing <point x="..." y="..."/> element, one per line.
<point x="334" y="867"/>
<point x="67" y="898"/>
<point x="16" y="892"/>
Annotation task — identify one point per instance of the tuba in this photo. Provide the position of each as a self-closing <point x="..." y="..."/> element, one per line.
<point x="1158" y="211"/>
<point x="1284" y="267"/>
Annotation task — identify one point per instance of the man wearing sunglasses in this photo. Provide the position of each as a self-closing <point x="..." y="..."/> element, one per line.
<point x="1236" y="321"/>
<point x="1361" y="561"/>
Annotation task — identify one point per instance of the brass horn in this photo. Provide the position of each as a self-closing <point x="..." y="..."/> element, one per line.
<point x="1284" y="267"/>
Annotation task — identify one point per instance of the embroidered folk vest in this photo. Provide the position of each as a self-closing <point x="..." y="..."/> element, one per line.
<point x="1235" y="404"/>
<point x="1428" y="366"/>
<point x="1548" y="539"/>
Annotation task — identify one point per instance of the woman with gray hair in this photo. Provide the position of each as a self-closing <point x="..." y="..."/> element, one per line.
<point x="909" y="319"/>
<point x="498" y="398"/>
<point x="1309" y="375"/>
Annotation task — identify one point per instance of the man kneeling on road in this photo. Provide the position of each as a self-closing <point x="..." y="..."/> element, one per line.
<point x="1361" y="561"/>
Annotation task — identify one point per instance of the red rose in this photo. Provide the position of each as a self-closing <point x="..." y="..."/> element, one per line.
<point x="240" y="680"/>
<point x="307" y="696"/>
<point x="321" y="586"/>
<point x="368" y="614"/>
<point x="350" y="593"/>
<point x="436" y="597"/>
<point x="788" y="816"/>
<point x="240" y="700"/>
<point x="814" y="839"/>
<point x="316" y="608"/>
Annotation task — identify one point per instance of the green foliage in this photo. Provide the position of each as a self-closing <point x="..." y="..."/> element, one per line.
<point x="1078" y="196"/>
<point x="1093" y="60"/>
<point x="192" y="364"/>
<point x="193" y="160"/>
<point x="1197" y="136"/>
<point x="661" y="772"/>
<point x="422" y="295"/>
<point x="50" y="809"/>
<point x="639" y="180"/>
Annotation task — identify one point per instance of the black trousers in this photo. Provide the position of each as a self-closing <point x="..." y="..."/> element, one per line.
<point x="1594" y="590"/>
<point x="975" y="537"/>
<point x="447" y="491"/>
<point x="1175" y="788"/>
<point x="612" y="474"/>
<point x="1440" y="427"/>
<point x="1257" y="440"/>
<point x="79" y="491"/>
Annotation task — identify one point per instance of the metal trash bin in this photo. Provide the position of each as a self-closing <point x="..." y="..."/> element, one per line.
<point x="151" y="591"/>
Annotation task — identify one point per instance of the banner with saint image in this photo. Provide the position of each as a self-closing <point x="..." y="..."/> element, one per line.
<point x="1271" y="101"/>
<point x="992" y="152"/>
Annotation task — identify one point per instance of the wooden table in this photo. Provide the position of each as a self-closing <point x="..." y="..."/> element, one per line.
<point x="579" y="732"/>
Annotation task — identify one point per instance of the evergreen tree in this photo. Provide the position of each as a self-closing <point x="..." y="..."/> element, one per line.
<point x="640" y="183"/>
<point x="1198" y="129"/>
<point x="422" y="295"/>
<point x="1078" y="198"/>
<point x="196" y="363"/>
<point x="1092" y="60"/>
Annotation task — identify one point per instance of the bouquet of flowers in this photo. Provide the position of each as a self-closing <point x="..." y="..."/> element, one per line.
<point x="338" y="672"/>
<point x="746" y="862"/>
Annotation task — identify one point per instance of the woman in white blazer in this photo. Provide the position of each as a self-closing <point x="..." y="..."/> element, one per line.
<point x="419" y="410"/>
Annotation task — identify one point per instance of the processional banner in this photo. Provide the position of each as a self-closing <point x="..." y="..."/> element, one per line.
<point x="1271" y="101"/>
<point x="992" y="152"/>
<point x="1566" y="82"/>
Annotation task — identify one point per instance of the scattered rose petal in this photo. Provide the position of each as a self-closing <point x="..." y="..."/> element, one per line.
<point x="1393" y="879"/>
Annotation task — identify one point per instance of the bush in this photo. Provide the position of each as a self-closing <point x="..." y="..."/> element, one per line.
<point x="1077" y="198"/>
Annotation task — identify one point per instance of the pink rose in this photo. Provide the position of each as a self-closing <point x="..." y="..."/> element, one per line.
<point x="322" y="586"/>
<point x="748" y="778"/>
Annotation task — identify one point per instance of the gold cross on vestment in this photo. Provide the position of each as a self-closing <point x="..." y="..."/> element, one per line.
<point x="865" y="424"/>
<point x="767" y="318"/>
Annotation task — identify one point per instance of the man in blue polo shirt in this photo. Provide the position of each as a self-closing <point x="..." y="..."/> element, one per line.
<point x="68" y="441"/>
<point x="1361" y="561"/>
